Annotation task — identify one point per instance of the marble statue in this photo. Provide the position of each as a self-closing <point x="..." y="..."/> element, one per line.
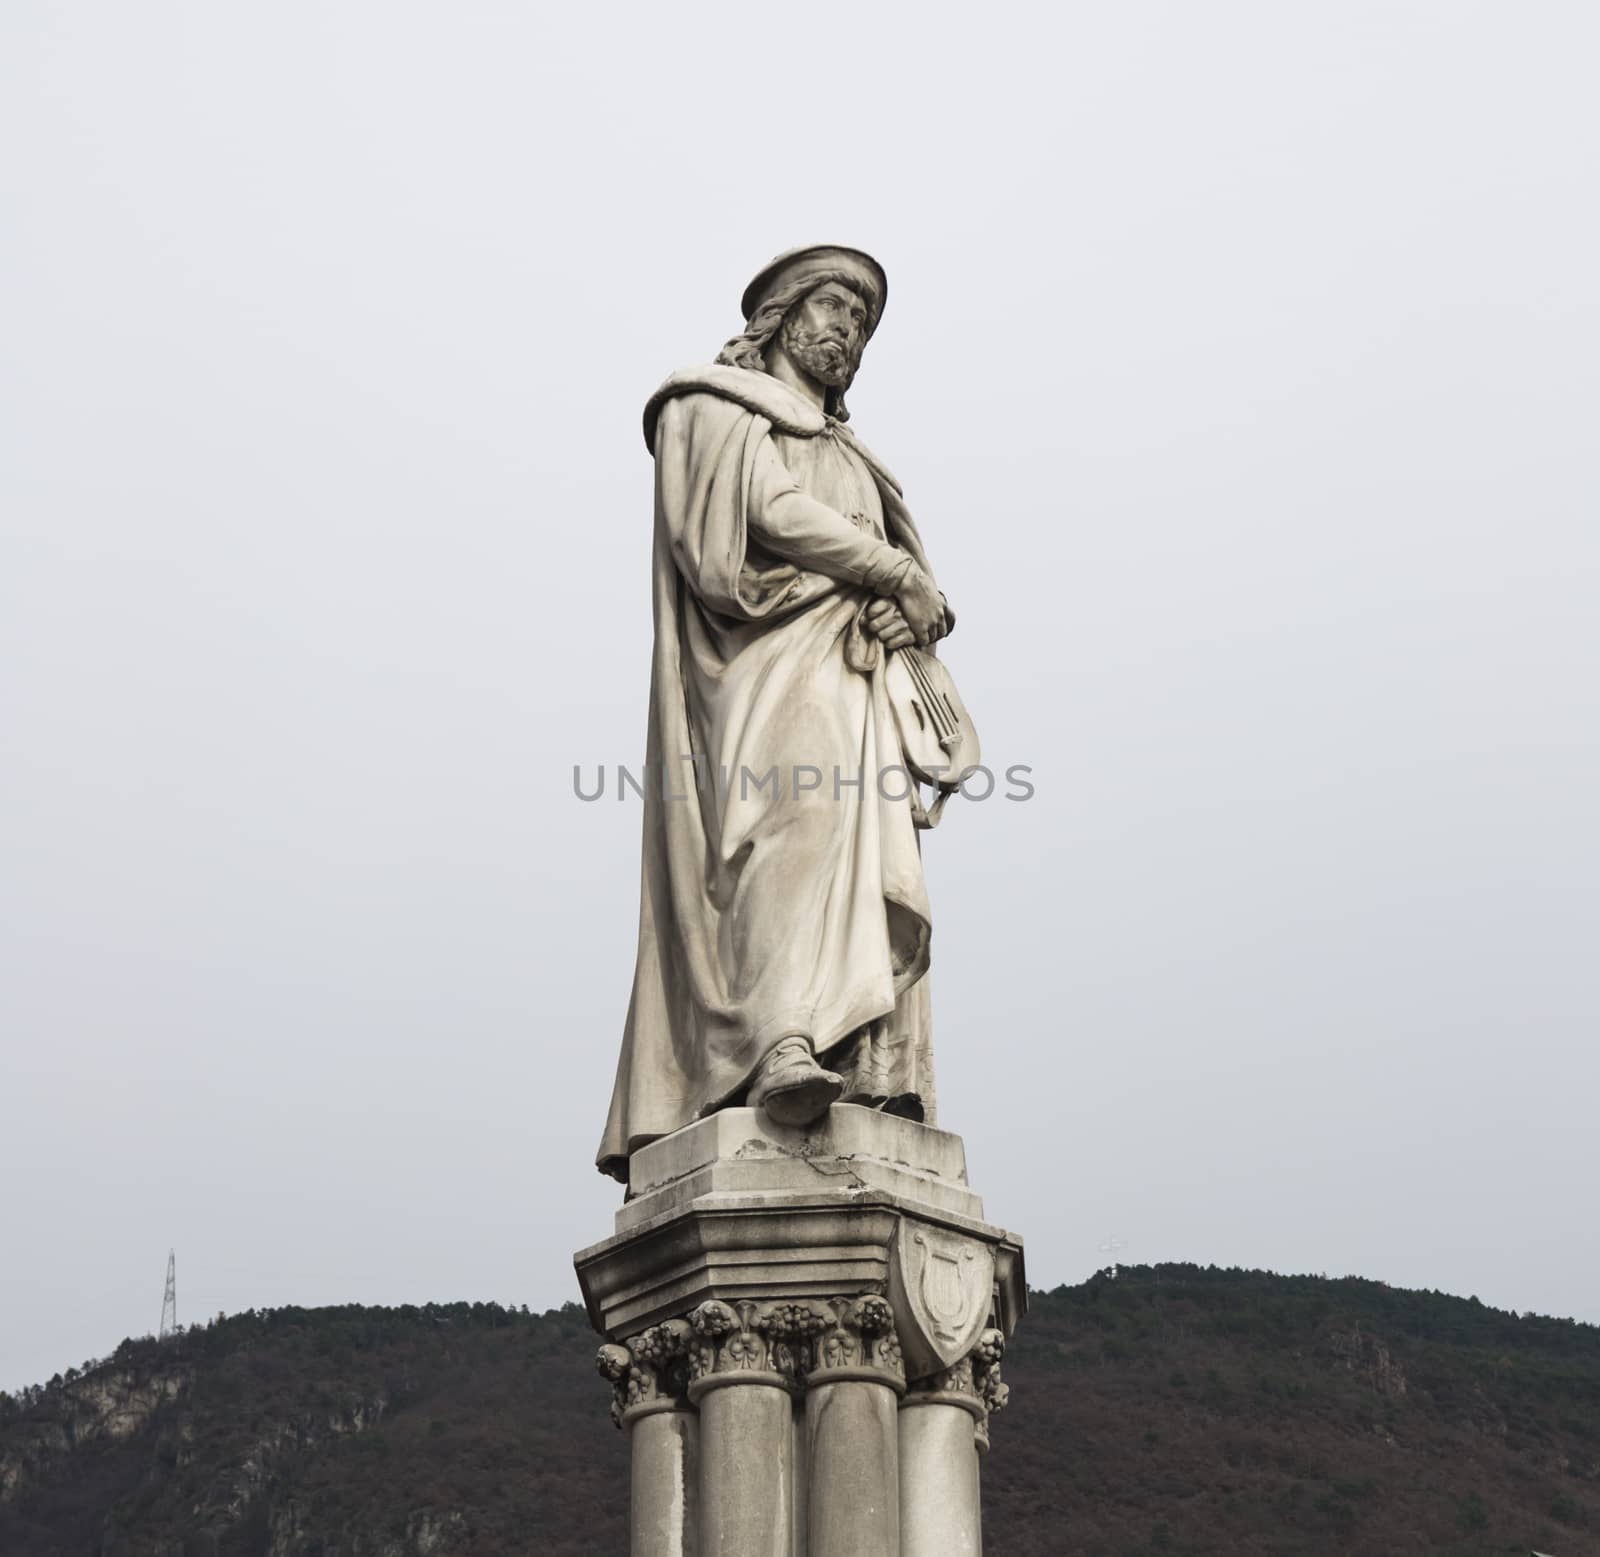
<point x="784" y="923"/>
<point x="802" y="1305"/>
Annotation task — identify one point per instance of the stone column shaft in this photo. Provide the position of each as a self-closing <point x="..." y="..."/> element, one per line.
<point x="802" y="1477"/>
<point x="746" y="1482"/>
<point x="852" y="1450"/>
<point x="664" y="1498"/>
<point x="854" y="1378"/>
<point x="940" y="1512"/>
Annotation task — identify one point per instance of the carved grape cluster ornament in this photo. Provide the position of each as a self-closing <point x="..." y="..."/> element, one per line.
<point x="859" y="1336"/>
<point x="727" y="1337"/>
<point x="974" y="1382"/>
<point x="991" y="1388"/>
<point x="792" y="1345"/>
<point x="790" y="1329"/>
<point x="650" y="1371"/>
<point x="789" y="1344"/>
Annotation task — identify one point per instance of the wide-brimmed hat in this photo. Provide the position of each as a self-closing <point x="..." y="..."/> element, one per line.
<point x="820" y="259"/>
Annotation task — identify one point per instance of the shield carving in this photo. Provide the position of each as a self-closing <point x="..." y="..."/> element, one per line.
<point x="944" y="1284"/>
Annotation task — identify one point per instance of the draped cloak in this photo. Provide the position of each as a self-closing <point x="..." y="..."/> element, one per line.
<point x="768" y="907"/>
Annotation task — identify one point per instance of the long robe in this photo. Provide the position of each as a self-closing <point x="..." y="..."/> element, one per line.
<point x="770" y="907"/>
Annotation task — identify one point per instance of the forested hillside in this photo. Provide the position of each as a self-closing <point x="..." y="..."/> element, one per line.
<point x="1171" y="1410"/>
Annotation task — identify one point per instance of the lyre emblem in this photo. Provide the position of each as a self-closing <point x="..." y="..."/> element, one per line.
<point x="946" y="1284"/>
<point x="941" y="1291"/>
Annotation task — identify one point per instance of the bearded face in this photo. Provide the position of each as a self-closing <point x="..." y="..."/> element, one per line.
<point x="825" y="333"/>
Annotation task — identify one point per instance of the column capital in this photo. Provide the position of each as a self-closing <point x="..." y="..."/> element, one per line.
<point x="650" y="1372"/>
<point x="793" y="1343"/>
<point x="973" y="1383"/>
<point x="741" y="1342"/>
<point x="855" y="1339"/>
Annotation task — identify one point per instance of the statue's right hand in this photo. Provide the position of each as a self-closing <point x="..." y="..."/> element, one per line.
<point x="921" y="604"/>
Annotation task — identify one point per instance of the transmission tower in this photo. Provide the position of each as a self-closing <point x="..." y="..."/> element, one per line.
<point x="169" y="1300"/>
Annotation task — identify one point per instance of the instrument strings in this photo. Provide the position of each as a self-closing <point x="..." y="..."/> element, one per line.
<point x="946" y="726"/>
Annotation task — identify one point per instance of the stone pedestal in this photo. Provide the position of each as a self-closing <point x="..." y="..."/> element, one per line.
<point x="804" y="1331"/>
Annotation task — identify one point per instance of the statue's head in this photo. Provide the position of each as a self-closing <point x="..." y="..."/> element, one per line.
<point x="820" y="305"/>
<point x="825" y="333"/>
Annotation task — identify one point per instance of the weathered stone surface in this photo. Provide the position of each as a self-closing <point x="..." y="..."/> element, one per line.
<point x="940" y="1515"/>
<point x="942" y="1282"/>
<point x="664" y="1494"/>
<point x="741" y="1151"/>
<point x="818" y="1229"/>
<point x="838" y="1341"/>
<point x="852" y="1445"/>
<point x="746" y="1485"/>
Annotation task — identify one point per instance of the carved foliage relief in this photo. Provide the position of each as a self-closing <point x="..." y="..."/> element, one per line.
<point x="651" y="1369"/>
<point x="791" y="1344"/>
<point x="784" y="1343"/>
<point x="796" y="1340"/>
<point x="975" y="1379"/>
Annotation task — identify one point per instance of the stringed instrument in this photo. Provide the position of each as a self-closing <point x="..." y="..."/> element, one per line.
<point x="937" y="736"/>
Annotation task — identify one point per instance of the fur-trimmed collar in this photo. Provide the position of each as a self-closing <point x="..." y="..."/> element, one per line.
<point x="786" y="409"/>
<point x="760" y="393"/>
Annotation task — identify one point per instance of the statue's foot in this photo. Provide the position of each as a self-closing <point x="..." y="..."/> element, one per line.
<point x="792" y="1088"/>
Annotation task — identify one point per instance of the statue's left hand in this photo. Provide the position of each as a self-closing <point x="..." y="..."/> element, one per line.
<point x="883" y="619"/>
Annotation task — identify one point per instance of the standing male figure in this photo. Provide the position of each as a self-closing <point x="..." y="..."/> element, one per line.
<point x="783" y="918"/>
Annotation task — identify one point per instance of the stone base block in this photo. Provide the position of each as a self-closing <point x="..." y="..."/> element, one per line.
<point x="740" y="1151"/>
<point x="734" y="1207"/>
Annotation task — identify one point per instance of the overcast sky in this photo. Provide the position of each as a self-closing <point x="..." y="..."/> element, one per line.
<point x="1240" y="366"/>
